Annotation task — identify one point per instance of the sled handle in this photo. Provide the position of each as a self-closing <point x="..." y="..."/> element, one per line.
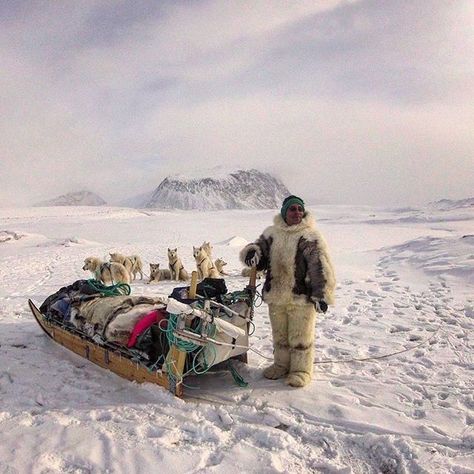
<point x="193" y="287"/>
<point x="253" y="277"/>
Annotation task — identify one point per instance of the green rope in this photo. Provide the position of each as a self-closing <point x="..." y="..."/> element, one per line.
<point x="190" y="347"/>
<point x="182" y="345"/>
<point x="235" y="297"/>
<point x="112" y="290"/>
<point x="204" y="366"/>
<point x="237" y="377"/>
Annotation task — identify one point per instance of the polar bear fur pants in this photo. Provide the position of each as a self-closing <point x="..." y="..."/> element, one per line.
<point x="293" y="341"/>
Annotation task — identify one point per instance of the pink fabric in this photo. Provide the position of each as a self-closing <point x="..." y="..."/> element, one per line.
<point x="155" y="316"/>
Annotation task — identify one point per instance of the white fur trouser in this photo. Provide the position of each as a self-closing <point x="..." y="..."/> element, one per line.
<point x="293" y="341"/>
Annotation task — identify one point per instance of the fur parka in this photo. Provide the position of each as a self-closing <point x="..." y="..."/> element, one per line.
<point x="297" y="262"/>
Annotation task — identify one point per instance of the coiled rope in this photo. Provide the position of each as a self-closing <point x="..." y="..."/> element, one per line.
<point x="112" y="290"/>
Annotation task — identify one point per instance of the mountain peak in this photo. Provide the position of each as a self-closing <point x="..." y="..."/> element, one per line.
<point x="77" y="198"/>
<point x="449" y="204"/>
<point x="219" y="188"/>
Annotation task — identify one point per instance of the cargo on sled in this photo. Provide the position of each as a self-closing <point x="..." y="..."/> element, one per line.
<point x="151" y="339"/>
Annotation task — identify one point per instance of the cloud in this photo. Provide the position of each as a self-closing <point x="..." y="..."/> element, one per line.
<point x="345" y="100"/>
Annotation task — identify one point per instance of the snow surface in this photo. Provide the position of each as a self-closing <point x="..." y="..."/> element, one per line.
<point x="405" y="288"/>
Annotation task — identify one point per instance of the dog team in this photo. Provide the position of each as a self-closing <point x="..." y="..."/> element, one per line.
<point x="124" y="269"/>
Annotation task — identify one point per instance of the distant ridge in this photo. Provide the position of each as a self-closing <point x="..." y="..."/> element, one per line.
<point x="238" y="189"/>
<point x="78" y="198"/>
<point x="449" y="204"/>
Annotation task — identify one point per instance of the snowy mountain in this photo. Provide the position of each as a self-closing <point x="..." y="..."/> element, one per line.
<point x="79" y="198"/>
<point x="241" y="189"/>
<point x="449" y="204"/>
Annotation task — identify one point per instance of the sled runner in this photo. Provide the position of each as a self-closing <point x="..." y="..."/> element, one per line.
<point x="180" y="337"/>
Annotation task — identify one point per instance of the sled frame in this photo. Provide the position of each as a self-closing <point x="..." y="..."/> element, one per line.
<point x="105" y="357"/>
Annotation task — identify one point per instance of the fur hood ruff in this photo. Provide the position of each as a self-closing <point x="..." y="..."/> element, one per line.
<point x="280" y="244"/>
<point x="307" y="226"/>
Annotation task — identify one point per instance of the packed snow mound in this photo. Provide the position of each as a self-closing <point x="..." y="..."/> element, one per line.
<point x="21" y="239"/>
<point x="69" y="242"/>
<point x="438" y="256"/>
<point x="10" y="235"/>
<point x="448" y="204"/>
<point x="79" y="198"/>
<point x="40" y="240"/>
<point x="242" y="189"/>
<point x="234" y="241"/>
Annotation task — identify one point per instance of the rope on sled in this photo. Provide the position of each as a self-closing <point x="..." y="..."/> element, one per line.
<point x="112" y="290"/>
<point x="189" y="347"/>
<point x="199" y="364"/>
<point x="238" y="379"/>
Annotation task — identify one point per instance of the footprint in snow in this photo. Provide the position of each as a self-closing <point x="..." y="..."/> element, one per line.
<point x="418" y="414"/>
<point x="398" y="328"/>
<point x="372" y="293"/>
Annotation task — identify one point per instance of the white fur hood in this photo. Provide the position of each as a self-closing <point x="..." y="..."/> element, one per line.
<point x="297" y="262"/>
<point x="307" y="227"/>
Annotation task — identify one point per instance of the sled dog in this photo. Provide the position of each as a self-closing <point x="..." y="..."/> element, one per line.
<point x="176" y="266"/>
<point x="132" y="263"/>
<point x="207" y="248"/>
<point x="157" y="275"/>
<point x="107" y="272"/>
<point x="219" y="263"/>
<point x="246" y="273"/>
<point x="204" y="265"/>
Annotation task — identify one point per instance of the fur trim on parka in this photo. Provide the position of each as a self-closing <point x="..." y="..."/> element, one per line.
<point x="297" y="262"/>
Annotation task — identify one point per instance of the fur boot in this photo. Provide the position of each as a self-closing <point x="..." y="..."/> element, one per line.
<point x="281" y="350"/>
<point x="301" y="342"/>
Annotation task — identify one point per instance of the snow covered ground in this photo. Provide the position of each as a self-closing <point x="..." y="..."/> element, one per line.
<point x="405" y="291"/>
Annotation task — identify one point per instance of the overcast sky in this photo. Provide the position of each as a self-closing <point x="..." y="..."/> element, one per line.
<point x="366" y="102"/>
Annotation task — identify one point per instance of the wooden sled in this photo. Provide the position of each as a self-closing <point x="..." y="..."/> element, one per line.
<point x="113" y="360"/>
<point x="118" y="361"/>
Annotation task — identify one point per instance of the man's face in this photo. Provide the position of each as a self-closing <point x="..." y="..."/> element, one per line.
<point x="294" y="214"/>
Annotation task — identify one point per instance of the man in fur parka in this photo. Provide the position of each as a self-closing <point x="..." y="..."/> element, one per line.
<point x="299" y="282"/>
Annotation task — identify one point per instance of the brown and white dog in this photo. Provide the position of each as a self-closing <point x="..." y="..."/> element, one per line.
<point x="132" y="263"/>
<point x="208" y="248"/>
<point x="157" y="275"/>
<point x="205" y="266"/>
<point x="107" y="272"/>
<point x="176" y="266"/>
<point x="219" y="263"/>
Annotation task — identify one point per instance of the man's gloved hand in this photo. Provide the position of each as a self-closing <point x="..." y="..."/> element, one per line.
<point x="251" y="259"/>
<point x="320" y="305"/>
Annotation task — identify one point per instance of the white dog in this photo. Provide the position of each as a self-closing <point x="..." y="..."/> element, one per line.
<point x="176" y="266"/>
<point x="208" y="248"/>
<point x="107" y="272"/>
<point x="246" y="273"/>
<point x="157" y="275"/>
<point x="219" y="263"/>
<point x="204" y="265"/>
<point x="132" y="263"/>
